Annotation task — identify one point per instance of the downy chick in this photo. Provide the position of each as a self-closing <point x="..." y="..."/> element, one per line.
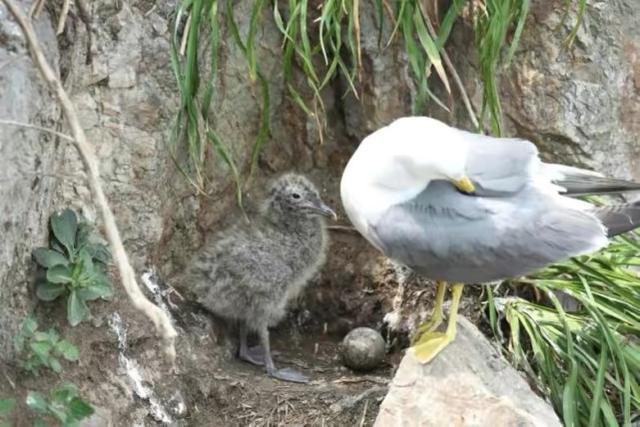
<point x="249" y="273"/>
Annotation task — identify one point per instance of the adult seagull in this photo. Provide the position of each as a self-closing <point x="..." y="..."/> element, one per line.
<point x="460" y="207"/>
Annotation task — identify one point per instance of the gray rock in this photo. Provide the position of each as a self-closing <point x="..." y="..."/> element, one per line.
<point x="468" y="384"/>
<point x="387" y="87"/>
<point x="177" y="405"/>
<point x="125" y="97"/>
<point x="101" y="417"/>
<point x="362" y="349"/>
<point x="580" y="104"/>
<point x="27" y="168"/>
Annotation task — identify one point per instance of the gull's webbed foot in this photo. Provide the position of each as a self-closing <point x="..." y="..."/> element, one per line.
<point x="430" y="345"/>
<point x="436" y="316"/>
<point x="427" y="327"/>
<point x="285" y="374"/>
<point x="288" y="374"/>
<point x="253" y="355"/>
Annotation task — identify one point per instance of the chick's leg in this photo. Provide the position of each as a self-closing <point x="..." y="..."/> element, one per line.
<point x="254" y="355"/>
<point x="431" y="343"/>
<point x="285" y="374"/>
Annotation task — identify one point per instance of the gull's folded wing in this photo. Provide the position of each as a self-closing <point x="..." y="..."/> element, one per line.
<point x="500" y="166"/>
<point x="451" y="236"/>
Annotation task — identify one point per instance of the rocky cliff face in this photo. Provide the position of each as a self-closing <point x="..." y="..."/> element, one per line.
<point x="28" y="170"/>
<point x="579" y="105"/>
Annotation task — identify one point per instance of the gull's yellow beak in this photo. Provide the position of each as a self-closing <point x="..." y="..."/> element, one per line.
<point x="465" y="185"/>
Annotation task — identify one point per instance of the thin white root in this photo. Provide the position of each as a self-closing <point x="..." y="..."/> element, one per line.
<point x="63" y="16"/>
<point x="36" y="8"/>
<point x="127" y="275"/>
<point x="456" y="78"/>
<point x="40" y="128"/>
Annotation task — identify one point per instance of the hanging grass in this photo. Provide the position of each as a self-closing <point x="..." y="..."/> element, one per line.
<point x="494" y="19"/>
<point x="322" y="42"/>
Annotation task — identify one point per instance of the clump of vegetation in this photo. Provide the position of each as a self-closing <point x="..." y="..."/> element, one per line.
<point x="323" y="42"/>
<point x="73" y="266"/>
<point x="6" y="407"/>
<point x="39" y="349"/>
<point x="586" y="361"/>
<point x="63" y="405"/>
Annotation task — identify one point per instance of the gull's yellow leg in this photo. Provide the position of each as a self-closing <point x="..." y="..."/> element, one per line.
<point x="436" y="315"/>
<point x="432" y="343"/>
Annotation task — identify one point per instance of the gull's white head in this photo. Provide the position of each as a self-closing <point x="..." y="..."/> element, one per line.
<point x="396" y="162"/>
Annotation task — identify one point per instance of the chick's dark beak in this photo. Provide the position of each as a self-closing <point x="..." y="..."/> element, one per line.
<point x="322" y="209"/>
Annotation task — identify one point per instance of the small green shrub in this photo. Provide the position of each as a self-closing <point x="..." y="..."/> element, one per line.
<point x="6" y="407"/>
<point x="73" y="266"/>
<point x="63" y="404"/>
<point x="42" y="349"/>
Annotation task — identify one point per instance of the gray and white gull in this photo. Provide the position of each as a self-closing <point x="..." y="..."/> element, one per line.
<point x="461" y="207"/>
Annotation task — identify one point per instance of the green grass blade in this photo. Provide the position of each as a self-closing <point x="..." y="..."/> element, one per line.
<point x="598" y="389"/>
<point x="430" y="48"/>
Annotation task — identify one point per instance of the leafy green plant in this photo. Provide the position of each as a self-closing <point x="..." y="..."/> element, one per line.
<point x="42" y="349"/>
<point x="588" y="361"/>
<point x="6" y="407"/>
<point x="63" y="405"/>
<point x="73" y="266"/>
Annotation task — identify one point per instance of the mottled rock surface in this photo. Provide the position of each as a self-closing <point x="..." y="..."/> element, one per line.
<point x="468" y="384"/>
<point x="579" y="104"/>
<point x="27" y="168"/>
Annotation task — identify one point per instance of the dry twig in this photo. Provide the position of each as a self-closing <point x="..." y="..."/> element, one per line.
<point x="456" y="78"/>
<point x="40" y="128"/>
<point x="127" y="275"/>
<point x="344" y="228"/>
<point x="36" y="8"/>
<point x="63" y="16"/>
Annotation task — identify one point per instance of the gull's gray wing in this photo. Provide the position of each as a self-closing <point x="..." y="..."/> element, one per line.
<point x="502" y="166"/>
<point x="450" y="236"/>
<point x="499" y="166"/>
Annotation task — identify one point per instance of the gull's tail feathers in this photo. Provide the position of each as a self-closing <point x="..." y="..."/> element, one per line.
<point x="578" y="182"/>
<point x="619" y="219"/>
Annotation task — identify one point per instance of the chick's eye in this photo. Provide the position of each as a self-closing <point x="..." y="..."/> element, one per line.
<point x="295" y="196"/>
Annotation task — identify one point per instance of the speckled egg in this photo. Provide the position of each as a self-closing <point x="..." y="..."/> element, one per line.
<point x="362" y="349"/>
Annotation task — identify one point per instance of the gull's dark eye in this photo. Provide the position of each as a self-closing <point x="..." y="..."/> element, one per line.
<point x="295" y="196"/>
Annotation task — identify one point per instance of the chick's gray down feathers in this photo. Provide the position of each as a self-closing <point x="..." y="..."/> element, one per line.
<point x="250" y="272"/>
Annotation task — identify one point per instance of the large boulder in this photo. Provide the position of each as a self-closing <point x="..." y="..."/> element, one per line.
<point x="468" y="384"/>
